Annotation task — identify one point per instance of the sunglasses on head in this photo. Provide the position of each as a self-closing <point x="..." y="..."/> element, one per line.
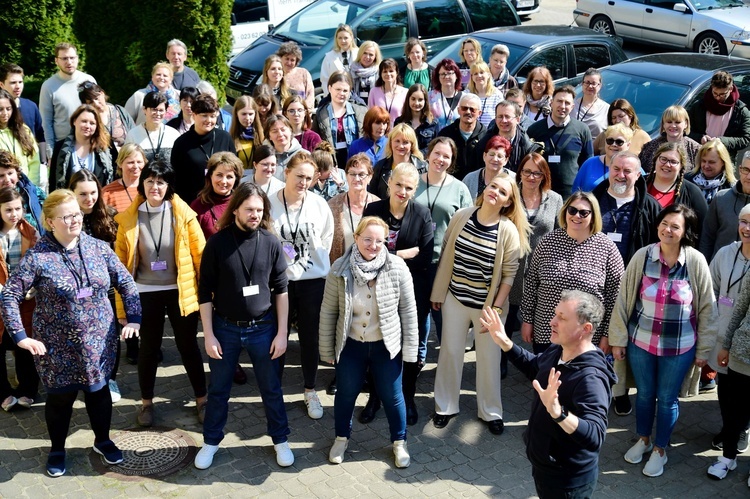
<point x="573" y="211"/>
<point x="618" y="142"/>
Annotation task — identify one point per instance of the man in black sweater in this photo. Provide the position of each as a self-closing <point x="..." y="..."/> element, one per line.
<point x="573" y="382"/>
<point x="192" y="150"/>
<point x="243" y="304"/>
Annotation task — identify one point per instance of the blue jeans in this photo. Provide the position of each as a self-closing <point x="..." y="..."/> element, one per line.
<point x="354" y="361"/>
<point x="658" y="380"/>
<point x="257" y="340"/>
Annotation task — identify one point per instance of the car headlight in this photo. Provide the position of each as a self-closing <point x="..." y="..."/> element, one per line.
<point x="741" y="35"/>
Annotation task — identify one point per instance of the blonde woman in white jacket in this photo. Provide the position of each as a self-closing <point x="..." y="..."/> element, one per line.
<point x="369" y="321"/>
<point x="342" y="56"/>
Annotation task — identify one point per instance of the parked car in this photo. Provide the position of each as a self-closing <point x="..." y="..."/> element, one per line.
<point x="651" y="83"/>
<point x="388" y="22"/>
<point x="526" y="7"/>
<point x="703" y="26"/>
<point x="252" y="18"/>
<point x="567" y="51"/>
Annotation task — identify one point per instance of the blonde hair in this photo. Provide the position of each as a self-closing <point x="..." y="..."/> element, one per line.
<point x="675" y="113"/>
<point x="474" y="44"/>
<point x="127" y="150"/>
<point x="407" y="132"/>
<point x="596" y="213"/>
<point x="619" y="129"/>
<point x="284" y="91"/>
<point x="369" y="44"/>
<point x="514" y="211"/>
<point x="348" y="29"/>
<point x="55" y="199"/>
<point x="370" y="220"/>
<point x="407" y="170"/>
<point x="489" y="86"/>
<point x="721" y="150"/>
<point x="163" y="65"/>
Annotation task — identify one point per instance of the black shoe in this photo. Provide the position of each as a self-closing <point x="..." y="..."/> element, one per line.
<point x="240" y="378"/>
<point x="622" y="405"/>
<point x="441" y="420"/>
<point x="160" y="356"/>
<point x="371" y="408"/>
<point x="331" y="390"/>
<point x="496" y="426"/>
<point x="718" y="441"/>
<point x="412" y="416"/>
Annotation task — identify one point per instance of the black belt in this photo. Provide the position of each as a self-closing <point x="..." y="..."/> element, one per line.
<point x="250" y="323"/>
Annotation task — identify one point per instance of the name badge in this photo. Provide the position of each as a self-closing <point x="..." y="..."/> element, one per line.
<point x="251" y="290"/>
<point x="84" y="293"/>
<point x="727" y="301"/>
<point x="341" y="145"/>
<point x="289" y="250"/>
<point x="434" y="226"/>
<point x="553" y="158"/>
<point x="616" y="237"/>
<point x="158" y="266"/>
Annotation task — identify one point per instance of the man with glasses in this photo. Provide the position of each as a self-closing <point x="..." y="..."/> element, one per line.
<point x="466" y="132"/>
<point x="507" y="124"/>
<point x="721" y="114"/>
<point x="58" y="97"/>
<point x="721" y="223"/>
<point x="567" y="141"/>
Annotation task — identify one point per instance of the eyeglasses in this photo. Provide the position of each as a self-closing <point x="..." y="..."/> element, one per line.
<point x="445" y="75"/>
<point x="591" y="83"/>
<point x="744" y="223"/>
<point x="573" y="211"/>
<point x="744" y="170"/>
<point x="469" y="109"/>
<point x="68" y="219"/>
<point x="156" y="110"/>
<point x="666" y="161"/>
<point x="358" y="175"/>
<point x="617" y="142"/>
<point x="505" y="117"/>
<point x="296" y="111"/>
<point x="369" y="241"/>
<point x="71" y="58"/>
<point x="538" y="82"/>
<point x="529" y="174"/>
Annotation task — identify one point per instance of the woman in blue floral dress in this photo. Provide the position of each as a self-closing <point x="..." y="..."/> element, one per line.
<point x="72" y="336"/>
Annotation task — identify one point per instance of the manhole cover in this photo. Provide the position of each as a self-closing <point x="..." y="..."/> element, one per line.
<point x="155" y="453"/>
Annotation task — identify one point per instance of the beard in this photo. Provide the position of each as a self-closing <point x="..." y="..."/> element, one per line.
<point x="619" y="188"/>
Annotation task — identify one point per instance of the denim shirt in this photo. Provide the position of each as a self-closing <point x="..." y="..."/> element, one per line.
<point x="350" y="124"/>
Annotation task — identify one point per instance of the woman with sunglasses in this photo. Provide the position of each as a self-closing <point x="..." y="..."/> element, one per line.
<point x="595" y="170"/>
<point x="713" y="169"/>
<point x="339" y="59"/>
<point x="578" y="255"/>
<point x="621" y="111"/>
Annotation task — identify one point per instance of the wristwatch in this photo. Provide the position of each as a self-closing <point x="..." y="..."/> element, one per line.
<point x="562" y="416"/>
<point x="499" y="310"/>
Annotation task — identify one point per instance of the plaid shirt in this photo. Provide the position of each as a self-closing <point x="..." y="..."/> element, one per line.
<point x="10" y="245"/>
<point x="663" y="321"/>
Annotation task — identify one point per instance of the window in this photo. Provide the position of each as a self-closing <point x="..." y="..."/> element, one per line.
<point x="438" y="18"/>
<point x="250" y="11"/>
<point x="590" y="56"/>
<point x="554" y="59"/>
<point x="387" y="26"/>
<point x="489" y="14"/>
<point x="316" y="23"/>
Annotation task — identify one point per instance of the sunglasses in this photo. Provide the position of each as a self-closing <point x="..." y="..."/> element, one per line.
<point x="618" y="142"/>
<point x="573" y="211"/>
<point x="470" y="109"/>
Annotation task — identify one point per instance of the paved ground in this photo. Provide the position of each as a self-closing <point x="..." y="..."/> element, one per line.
<point x="463" y="459"/>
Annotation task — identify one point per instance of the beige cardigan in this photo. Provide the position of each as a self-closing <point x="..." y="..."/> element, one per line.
<point x="506" y="257"/>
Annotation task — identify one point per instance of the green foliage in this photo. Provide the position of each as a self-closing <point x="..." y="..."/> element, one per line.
<point x="121" y="40"/>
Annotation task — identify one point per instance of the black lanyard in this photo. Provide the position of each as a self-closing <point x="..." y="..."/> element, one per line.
<point x="126" y="190"/>
<point x="559" y="138"/>
<point x="451" y="105"/>
<point x="289" y="220"/>
<point x="248" y="272"/>
<point x="77" y="275"/>
<point x="731" y="284"/>
<point x="158" y="141"/>
<point x="580" y="106"/>
<point x="431" y="206"/>
<point x="161" y="229"/>
<point x="349" y="205"/>
<point x="213" y="142"/>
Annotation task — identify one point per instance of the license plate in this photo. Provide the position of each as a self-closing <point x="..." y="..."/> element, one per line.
<point x="525" y="3"/>
<point x="235" y="94"/>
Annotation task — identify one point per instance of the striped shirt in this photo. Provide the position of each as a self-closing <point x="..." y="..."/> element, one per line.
<point x="663" y="321"/>
<point x="10" y="244"/>
<point x="474" y="261"/>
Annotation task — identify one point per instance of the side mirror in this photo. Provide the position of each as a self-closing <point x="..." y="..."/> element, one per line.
<point x="681" y="7"/>
<point x="233" y="18"/>
<point x="270" y="27"/>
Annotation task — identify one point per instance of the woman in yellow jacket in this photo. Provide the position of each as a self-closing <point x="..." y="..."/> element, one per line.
<point x="161" y="243"/>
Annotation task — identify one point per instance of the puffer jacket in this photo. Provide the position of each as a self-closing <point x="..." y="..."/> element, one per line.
<point x="29" y="237"/>
<point x="189" y="244"/>
<point x="397" y="309"/>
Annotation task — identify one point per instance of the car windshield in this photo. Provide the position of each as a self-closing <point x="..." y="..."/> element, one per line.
<point x="451" y="52"/>
<point x="316" y="24"/>
<point x="716" y="4"/>
<point x="650" y="97"/>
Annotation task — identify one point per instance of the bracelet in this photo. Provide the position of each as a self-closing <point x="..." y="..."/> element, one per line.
<point x="563" y="415"/>
<point x="499" y="310"/>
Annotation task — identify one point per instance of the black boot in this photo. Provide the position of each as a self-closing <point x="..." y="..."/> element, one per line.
<point x="409" y="384"/>
<point x="373" y="403"/>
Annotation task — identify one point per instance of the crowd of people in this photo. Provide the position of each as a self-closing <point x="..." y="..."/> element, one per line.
<point x="410" y="197"/>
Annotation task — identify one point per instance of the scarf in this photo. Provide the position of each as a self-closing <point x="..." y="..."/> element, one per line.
<point x="366" y="76"/>
<point x="720" y="108"/>
<point x="173" y="100"/>
<point x="363" y="270"/>
<point x="502" y="79"/>
<point x="248" y="133"/>
<point x="542" y="104"/>
<point x="709" y="187"/>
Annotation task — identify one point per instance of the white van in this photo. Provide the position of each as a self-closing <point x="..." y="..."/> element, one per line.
<point x="252" y="19"/>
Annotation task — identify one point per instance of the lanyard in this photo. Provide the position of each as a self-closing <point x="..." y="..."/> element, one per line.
<point x="289" y="220"/>
<point x="161" y="229"/>
<point x="349" y="205"/>
<point x="431" y="206"/>
<point x="451" y="106"/>
<point x="213" y="141"/>
<point x="578" y="114"/>
<point x="72" y="268"/>
<point x="731" y="284"/>
<point x="385" y="98"/>
<point x="126" y="190"/>
<point x="559" y="138"/>
<point x="248" y="272"/>
<point x="158" y="141"/>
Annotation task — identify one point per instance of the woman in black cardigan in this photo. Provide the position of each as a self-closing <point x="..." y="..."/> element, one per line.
<point x="410" y="236"/>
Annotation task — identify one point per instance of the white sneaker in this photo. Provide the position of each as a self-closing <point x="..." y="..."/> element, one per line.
<point x="205" y="456"/>
<point x="114" y="390"/>
<point x="655" y="465"/>
<point x="314" y="407"/>
<point x="401" y="453"/>
<point x="336" y="454"/>
<point x="25" y="402"/>
<point x="721" y="468"/>
<point x="9" y="403"/>
<point x="634" y="455"/>
<point x="284" y="456"/>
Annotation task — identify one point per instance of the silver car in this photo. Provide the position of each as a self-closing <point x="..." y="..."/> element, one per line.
<point x="704" y="26"/>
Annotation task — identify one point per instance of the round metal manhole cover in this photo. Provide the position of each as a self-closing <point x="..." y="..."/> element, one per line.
<point x="149" y="453"/>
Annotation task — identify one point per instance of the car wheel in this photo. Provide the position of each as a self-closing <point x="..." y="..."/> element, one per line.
<point x="602" y="24"/>
<point x="710" y="43"/>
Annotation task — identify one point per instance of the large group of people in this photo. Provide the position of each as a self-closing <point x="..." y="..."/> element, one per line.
<point x="407" y="198"/>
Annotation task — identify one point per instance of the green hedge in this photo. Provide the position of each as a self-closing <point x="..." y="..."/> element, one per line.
<point x="119" y="41"/>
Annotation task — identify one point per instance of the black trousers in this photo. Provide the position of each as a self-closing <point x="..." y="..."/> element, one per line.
<point x="28" y="379"/>
<point x="735" y="409"/>
<point x="154" y="305"/>
<point x="59" y="408"/>
<point x="305" y="300"/>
